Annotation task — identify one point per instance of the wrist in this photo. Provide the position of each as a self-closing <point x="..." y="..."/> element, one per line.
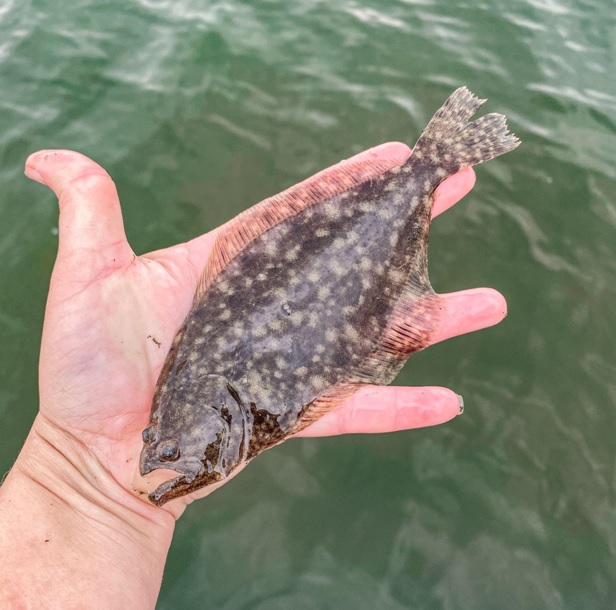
<point x="62" y="509"/>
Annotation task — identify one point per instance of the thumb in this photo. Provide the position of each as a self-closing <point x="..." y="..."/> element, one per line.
<point x="91" y="230"/>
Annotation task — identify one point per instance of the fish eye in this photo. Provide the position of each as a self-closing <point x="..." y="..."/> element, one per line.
<point x="169" y="452"/>
<point x="149" y="435"/>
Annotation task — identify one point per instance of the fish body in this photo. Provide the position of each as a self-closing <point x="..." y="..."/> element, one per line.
<point x="306" y="298"/>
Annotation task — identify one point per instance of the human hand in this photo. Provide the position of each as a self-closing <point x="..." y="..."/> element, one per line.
<point x="70" y="508"/>
<point x="111" y="317"/>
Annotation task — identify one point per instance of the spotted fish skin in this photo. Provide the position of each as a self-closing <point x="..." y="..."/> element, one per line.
<point x="328" y="293"/>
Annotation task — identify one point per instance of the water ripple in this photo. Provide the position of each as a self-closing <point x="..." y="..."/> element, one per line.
<point x="198" y="109"/>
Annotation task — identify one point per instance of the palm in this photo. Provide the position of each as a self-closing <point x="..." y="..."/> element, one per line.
<point x="100" y="360"/>
<point x="111" y="317"/>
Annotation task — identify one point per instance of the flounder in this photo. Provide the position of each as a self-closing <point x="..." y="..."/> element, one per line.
<point x="306" y="298"/>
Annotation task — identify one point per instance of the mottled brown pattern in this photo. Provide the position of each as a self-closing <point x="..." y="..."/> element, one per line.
<point x="248" y="225"/>
<point x="307" y="297"/>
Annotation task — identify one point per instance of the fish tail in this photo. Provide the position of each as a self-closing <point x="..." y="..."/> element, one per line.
<point x="451" y="142"/>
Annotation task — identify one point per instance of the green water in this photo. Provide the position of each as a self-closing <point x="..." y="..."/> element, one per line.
<point x="199" y="109"/>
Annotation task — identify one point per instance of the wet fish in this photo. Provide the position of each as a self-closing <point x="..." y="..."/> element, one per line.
<point x="307" y="297"/>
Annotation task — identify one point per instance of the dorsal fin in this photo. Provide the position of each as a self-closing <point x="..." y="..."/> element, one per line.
<point x="234" y="236"/>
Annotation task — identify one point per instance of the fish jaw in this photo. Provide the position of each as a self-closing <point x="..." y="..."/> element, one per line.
<point x="192" y="471"/>
<point x="182" y="485"/>
<point x="167" y="490"/>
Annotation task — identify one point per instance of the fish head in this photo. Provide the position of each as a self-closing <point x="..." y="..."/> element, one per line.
<point x="199" y="433"/>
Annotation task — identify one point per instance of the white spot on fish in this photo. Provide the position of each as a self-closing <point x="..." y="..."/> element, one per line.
<point x="351" y="332"/>
<point x="352" y="237"/>
<point x="331" y="210"/>
<point x="314" y="276"/>
<point x="338" y="269"/>
<point x="323" y="292"/>
<point x="318" y="382"/>
<point x="296" y="318"/>
<point x="275" y="325"/>
<point x="292" y="254"/>
<point x="259" y="331"/>
<point x="396" y="276"/>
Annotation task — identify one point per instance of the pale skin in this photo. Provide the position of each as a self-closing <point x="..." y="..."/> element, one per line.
<point x="76" y="529"/>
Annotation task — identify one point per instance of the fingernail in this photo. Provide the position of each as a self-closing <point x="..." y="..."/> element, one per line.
<point x="460" y="403"/>
<point x="33" y="174"/>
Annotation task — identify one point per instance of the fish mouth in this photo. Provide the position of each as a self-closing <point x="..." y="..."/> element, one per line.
<point x="191" y="478"/>
<point x="182" y="485"/>
<point x="173" y="488"/>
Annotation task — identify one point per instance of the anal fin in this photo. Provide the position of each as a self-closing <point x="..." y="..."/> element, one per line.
<point x="410" y="328"/>
<point x="325" y="403"/>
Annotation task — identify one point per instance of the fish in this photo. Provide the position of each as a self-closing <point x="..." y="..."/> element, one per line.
<point x="306" y="298"/>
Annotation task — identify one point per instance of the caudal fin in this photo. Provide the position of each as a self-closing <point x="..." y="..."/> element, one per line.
<point x="451" y="142"/>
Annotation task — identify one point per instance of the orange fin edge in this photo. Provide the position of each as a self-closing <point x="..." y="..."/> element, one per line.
<point x="325" y="403"/>
<point x="235" y="235"/>
<point x="411" y="326"/>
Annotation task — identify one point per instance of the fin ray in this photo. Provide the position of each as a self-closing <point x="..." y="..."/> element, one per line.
<point x="328" y="401"/>
<point x="234" y="236"/>
<point x="452" y="142"/>
<point x="410" y="328"/>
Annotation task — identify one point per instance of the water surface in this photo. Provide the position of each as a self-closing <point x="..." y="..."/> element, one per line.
<point x="200" y="109"/>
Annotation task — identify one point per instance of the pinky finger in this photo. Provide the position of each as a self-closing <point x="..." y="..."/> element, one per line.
<point x="376" y="409"/>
